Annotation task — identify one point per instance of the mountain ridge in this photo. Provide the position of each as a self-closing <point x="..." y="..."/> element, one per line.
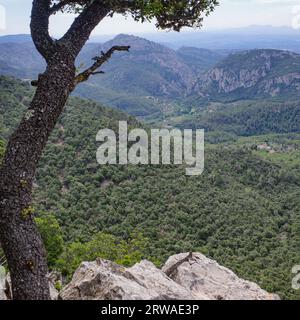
<point x="153" y="80"/>
<point x="254" y="73"/>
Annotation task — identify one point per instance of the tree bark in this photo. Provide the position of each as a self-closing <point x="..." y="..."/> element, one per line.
<point x="19" y="236"/>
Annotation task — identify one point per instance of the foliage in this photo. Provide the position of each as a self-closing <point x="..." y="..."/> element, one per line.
<point x="246" y="118"/>
<point x="52" y="237"/>
<point x="244" y="211"/>
<point x="168" y="14"/>
<point x="103" y="246"/>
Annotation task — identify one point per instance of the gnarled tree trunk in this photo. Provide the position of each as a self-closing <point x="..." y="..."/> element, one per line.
<point x="19" y="237"/>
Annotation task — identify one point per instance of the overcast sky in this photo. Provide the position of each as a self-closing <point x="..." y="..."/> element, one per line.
<point x="230" y="14"/>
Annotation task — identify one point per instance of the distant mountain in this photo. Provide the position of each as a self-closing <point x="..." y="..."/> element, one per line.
<point x="149" y="68"/>
<point x="16" y="38"/>
<point x="249" y="38"/>
<point x="21" y="60"/>
<point x="133" y="81"/>
<point x="199" y="59"/>
<point x="140" y="81"/>
<point x="262" y="29"/>
<point x="150" y="79"/>
<point x="252" y="74"/>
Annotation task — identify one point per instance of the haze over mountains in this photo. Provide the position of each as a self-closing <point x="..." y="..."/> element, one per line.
<point x="252" y="37"/>
<point x="146" y="80"/>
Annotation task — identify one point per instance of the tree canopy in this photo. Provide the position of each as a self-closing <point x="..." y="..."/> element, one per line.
<point x="169" y="14"/>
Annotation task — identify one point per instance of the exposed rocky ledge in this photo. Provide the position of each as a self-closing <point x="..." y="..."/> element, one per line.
<point x="184" y="276"/>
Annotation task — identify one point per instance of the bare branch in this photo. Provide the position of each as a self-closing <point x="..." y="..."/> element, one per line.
<point x="98" y="72"/>
<point x="99" y="61"/>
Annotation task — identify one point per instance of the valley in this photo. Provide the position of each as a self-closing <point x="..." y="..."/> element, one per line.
<point x="157" y="84"/>
<point x="243" y="211"/>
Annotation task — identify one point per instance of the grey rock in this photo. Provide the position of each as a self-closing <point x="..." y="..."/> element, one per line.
<point x="266" y="73"/>
<point x="203" y="276"/>
<point x="185" y="276"/>
<point x="6" y="292"/>
<point x="2" y="295"/>
<point x="54" y="277"/>
<point x="105" y="280"/>
<point x="2" y="284"/>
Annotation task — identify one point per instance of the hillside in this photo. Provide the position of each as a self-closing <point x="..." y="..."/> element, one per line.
<point x="159" y="63"/>
<point x="154" y="82"/>
<point x="20" y="60"/>
<point x="200" y="60"/>
<point x="163" y="72"/>
<point x="243" y="211"/>
<point x="241" y="118"/>
<point x="251" y="75"/>
<point x="137" y="82"/>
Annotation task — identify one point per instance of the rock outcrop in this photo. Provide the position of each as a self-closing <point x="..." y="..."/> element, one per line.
<point x="253" y="73"/>
<point x="6" y="290"/>
<point x="54" y="278"/>
<point x="3" y="295"/>
<point x="5" y="285"/>
<point x="185" y="276"/>
<point x="105" y="280"/>
<point x="205" y="277"/>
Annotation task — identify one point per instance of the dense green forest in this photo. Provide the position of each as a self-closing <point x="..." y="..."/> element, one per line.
<point x="244" y="211"/>
<point x="228" y="121"/>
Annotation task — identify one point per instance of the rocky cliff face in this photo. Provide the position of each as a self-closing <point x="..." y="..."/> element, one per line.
<point x="252" y="73"/>
<point x="184" y="276"/>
